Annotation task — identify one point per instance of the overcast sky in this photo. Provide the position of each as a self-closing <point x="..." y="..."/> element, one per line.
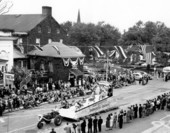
<point x="119" y="13"/>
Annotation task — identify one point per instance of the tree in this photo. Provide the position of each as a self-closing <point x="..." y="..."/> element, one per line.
<point x="82" y="34"/>
<point x="153" y="33"/>
<point x="5" y="6"/>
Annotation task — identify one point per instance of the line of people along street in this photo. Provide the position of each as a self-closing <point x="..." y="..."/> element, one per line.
<point x="93" y="124"/>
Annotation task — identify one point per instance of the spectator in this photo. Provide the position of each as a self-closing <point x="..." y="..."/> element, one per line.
<point x="52" y="131"/>
<point x="95" y="121"/>
<point x="90" y="121"/>
<point x="100" y="121"/>
<point x="120" y="119"/>
<point x="67" y="128"/>
<point x="83" y="126"/>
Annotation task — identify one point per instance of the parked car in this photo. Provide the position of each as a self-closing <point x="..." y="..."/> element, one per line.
<point x="137" y="75"/>
<point x="144" y="73"/>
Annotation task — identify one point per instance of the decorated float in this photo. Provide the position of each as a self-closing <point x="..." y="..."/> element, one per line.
<point x="100" y="100"/>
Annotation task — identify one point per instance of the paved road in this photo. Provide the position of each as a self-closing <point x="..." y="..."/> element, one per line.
<point x="24" y="121"/>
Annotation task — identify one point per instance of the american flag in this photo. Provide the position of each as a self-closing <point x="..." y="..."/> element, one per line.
<point x="147" y="51"/>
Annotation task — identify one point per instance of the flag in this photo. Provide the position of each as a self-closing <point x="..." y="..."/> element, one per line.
<point x="98" y="51"/>
<point x="147" y="51"/>
<point x="121" y="51"/>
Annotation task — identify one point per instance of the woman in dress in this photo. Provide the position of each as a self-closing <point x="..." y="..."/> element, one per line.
<point x="108" y="122"/>
<point x="111" y="121"/>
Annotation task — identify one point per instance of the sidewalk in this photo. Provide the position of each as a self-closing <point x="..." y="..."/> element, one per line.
<point x="159" y="122"/>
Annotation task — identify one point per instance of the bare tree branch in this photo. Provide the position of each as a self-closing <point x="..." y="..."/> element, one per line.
<point x="5" y="6"/>
<point x="8" y="9"/>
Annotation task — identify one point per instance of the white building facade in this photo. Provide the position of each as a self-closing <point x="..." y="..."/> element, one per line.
<point x="6" y="51"/>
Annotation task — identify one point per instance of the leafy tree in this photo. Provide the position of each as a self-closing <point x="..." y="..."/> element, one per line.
<point x="82" y="34"/>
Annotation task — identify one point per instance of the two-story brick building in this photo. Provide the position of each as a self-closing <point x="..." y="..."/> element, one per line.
<point x="33" y="29"/>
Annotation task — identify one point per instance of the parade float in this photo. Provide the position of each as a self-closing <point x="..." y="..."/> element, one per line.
<point x="101" y="100"/>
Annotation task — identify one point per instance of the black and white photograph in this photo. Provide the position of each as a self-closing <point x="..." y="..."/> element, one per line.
<point x="84" y="66"/>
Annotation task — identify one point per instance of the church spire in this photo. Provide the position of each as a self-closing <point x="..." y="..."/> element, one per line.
<point x="78" y="17"/>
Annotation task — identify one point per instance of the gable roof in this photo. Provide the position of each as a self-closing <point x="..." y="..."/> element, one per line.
<point x="18" y="55"/>
<point x="20" y="23"/>
<point x="58" y="50"/>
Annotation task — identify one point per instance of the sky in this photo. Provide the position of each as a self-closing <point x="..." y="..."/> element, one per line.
<point x="121" y="14"/>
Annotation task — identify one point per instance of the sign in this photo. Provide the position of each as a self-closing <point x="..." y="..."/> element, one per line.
<point x="9" y="77"/>
<point x="104" y="104"/>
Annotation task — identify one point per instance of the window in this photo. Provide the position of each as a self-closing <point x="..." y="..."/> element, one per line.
<point x="49" y="40"/>
<point x="20" y="40"/>
<point x="49" y="29"/>
<point x="39" y="29"/>
<point x="58" y="31"/>
<point x="38" y="41"/>
<point x="51" y="69"/>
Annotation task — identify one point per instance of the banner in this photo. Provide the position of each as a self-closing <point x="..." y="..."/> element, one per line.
<point x="81" y="61"/>
<point x="66" y="61"/>
<point x="74" y="63"/>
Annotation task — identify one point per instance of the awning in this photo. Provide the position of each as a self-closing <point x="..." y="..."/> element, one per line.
<point x="76" y="72"/>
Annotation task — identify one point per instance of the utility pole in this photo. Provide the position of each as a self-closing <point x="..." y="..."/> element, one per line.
<point x="107" y="64"/>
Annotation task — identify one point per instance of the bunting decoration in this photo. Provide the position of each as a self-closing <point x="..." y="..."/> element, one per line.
<point x="74" y="63"/>
<point x="66" y="62"/>
<point x="81" y="61"/>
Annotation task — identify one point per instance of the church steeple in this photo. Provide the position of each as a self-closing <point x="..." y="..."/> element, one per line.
<point x="78" y="17"/>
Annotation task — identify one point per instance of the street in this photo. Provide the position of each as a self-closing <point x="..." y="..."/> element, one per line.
<point x="24" y="121"/>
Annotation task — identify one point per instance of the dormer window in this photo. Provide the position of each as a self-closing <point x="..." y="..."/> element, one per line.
<point x="38" y="41"/>
<point x="49" y="40"/>
<point x="49" y="29"/>
<point x="39" y="29"/>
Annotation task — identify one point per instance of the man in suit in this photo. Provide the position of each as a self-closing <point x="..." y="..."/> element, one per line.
<point x="90" y="123"/>
<point x="100" y="121"/>
<point x="95" y="124"/>
<point x="136" y="111"/>
<point x="120" y="119"/>
<point x="140" y="111"/>
<point x="83" y="126"/>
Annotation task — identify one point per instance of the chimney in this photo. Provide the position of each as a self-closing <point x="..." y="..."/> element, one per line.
<point x="47" y="10"/>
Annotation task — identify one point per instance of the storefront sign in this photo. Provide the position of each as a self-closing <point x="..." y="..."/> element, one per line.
<point x="9" y="77"/>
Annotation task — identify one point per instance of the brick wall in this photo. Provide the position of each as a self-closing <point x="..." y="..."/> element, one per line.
<point x="61" y="72"/>
<point x="47" y="23"/>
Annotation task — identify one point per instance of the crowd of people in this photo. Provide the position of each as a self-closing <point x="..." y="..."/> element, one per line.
<point x="93" y="124"/>
<point x="12" y="99"/>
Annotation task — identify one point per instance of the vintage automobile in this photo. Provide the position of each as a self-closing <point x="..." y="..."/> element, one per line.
<point x="99" y="101"/>
<point x="47" y="118"/>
